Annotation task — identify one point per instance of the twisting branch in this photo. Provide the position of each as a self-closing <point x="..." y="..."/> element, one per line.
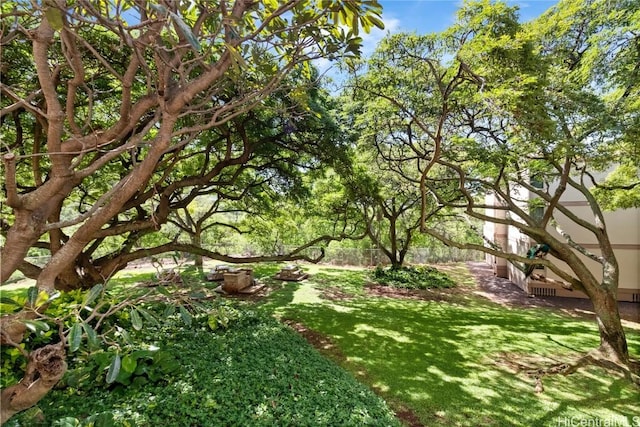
<point x="13" y="200"/>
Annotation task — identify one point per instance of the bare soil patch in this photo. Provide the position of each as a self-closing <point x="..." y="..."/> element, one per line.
<point x="378" y="290"/>
<point x="319" y="341"/>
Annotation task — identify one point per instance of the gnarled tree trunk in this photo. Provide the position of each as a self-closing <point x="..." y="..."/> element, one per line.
<point x="45" y="368"/>
<point x="613" y="343"/>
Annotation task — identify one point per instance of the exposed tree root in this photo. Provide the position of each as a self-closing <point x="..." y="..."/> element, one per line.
<point x="630" y="371"/>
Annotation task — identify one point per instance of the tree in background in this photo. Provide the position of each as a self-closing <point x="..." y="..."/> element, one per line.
<point x="491" y="107"/>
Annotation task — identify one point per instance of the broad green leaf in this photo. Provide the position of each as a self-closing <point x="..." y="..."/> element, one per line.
<point x="114" y="369"/>
<point x="169" y="311"/>
<point x="36" y="325"/>
<point x="66" y="422"/>
<point x="136" y="321"/>
<point x="7" y="300"/>
<point x="92" y="336"/>
<point x="186" y="317"/>
<point x="148" y="316"/>
<point x="75" y="337"/>
<point x="104" y="419"/>
<point x="124" y="334"/>
<point x="129" y="363"/>
<point x="186" y="31"/>
<point x="212" y="321"/>
<point x="32" y="295"/>
<point x="197" y="295"/>
<point x="377" y="22"/>
<point x="54" y="17"/>
<point x="43" y="298"/>
<point x="92" y="294"/>
<point x="159" y="8"/>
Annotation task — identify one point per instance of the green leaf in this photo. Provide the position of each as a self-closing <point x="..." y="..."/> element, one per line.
<point x="53" y="296"/>
<point x="235" y="56"/>
<point x="377" y="22"/>
<point x="104" y="419"/>
<point x="32" y="295"/>
<point x="124" y="334"/>
<point x="162" y="11"/>
<point x="36" y="325"/>
<point x="212" y="321"/>
<point x="136" y="321"/>
<point x="7" y="300"/>
<point x="163" y="291"/>
<point x="186" y="31"/>
<point x="186" y="317"/>
<point x="66" y="422"/>
<point x="129" y="364"/>
<point x="54" y="17"/>
<point x="92" y="294"/>
<point x="197" y="295"/>
<point x="92" y="336"/>
<point x="169" y="311"/>
<point x="148" y="316"/>
<point x="114" y="369"/>
<point x="75" y="337"/>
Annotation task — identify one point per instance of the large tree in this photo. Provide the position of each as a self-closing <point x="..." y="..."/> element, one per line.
<point x="103" y="101"/>
<point x="519" y="113"/>
<point x="116" y="114"/>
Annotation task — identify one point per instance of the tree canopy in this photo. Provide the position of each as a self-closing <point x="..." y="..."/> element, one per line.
<point x="117" y="114"/>
<point x="524" y="113"/>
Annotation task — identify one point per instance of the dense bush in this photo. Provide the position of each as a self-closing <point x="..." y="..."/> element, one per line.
<point x="423" y="277"/>
<point x="257" y="372"/>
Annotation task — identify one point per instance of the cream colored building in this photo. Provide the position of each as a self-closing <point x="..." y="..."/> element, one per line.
<point x="623" y="227"/>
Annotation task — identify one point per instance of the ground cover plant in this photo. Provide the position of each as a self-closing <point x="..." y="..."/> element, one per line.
<point x="454" y="358"/>
<point x="437" y="356"/>
<point x="409" y="277"/>
<point x="246" y="368"/>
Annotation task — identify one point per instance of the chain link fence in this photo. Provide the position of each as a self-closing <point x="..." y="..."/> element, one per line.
<point x="373" y="257"/>
<point x="342" y="256"/>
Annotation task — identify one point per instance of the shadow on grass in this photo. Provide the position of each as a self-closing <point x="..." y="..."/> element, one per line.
<point x="441" y="360"/>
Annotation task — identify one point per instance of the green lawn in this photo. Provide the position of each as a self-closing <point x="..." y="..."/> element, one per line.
<point x="452" y="359"/>
<point x="463" y="361"/>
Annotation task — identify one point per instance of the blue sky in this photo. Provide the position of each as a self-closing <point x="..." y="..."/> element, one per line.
<point x="427" y="16"/>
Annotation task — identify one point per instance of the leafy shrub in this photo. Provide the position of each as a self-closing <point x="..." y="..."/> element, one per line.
<point x="257" y="372"/>
<point x="109" y="335"/>
<point x="423" y="277"/>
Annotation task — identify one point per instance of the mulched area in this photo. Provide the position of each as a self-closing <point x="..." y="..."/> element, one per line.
<point x="505" y="292"/>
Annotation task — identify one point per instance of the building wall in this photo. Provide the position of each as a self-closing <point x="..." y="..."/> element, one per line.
<point x="623" y="227"/>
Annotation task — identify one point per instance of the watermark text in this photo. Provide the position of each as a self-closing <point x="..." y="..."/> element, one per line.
<point x="613" y="421"/>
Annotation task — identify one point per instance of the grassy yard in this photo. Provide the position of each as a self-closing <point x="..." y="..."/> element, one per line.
<point x="458" y="359"/>
<point x="437" y="357"/>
